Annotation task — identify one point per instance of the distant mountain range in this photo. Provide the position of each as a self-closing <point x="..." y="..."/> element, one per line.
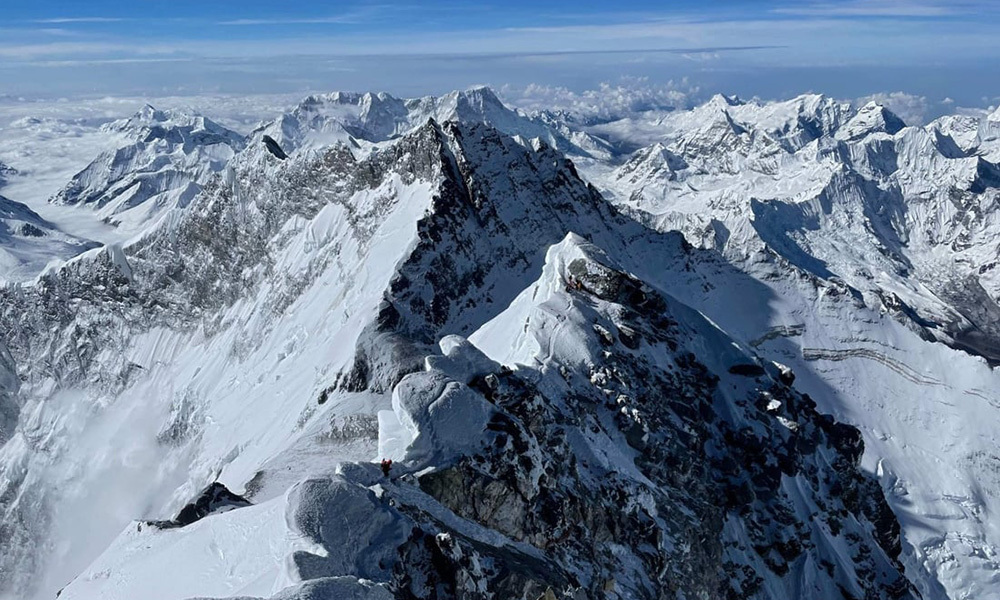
<point x="738" y="351"/>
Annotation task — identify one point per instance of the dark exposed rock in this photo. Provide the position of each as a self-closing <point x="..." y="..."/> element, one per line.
<point x="273" y="147"/>
<point x="30" y="230"/>
<point x="214" y="499"/>
<point x="536" y="486"/>
<point x="747" y="370"/>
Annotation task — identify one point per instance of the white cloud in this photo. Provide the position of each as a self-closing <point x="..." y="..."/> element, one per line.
<point x="106" y="61"/>
<point x="76" y="50"/>
<point x="608" y="101"/>
<point x="82" y="20"/>
<point x="340" y="20"/>
<point x="871" y="8"/>
<point x="911" y="108"/>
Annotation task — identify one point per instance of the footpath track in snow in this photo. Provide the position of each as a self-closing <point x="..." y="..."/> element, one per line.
<point x="902" y="369"/>
<point x="779" y="331"/>
<point x="982" y="395"/>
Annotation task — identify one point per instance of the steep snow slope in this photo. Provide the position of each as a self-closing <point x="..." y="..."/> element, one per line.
<point x="351" y="118"/>
<point x="253" y="340"/>
<point x="926" y="412"/>
<point x="872" y="241"/>
<point x="165" y="159"/>
<point x="28" y="242"/>
<point x="190" y="367"/>
<point x="619" y="411"/>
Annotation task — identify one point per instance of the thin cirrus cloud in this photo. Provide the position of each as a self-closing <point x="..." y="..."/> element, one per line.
<point x="67" y="20"/>
<point x="851" y="35"/>
<point x="353" y="17"/>
<point x="878" y="8"/>
<point x="336" y="20"/>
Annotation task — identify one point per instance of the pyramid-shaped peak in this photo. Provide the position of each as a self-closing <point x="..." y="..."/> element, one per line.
<point x="148" y="112"/>
<point x="478" y="100"/>
<point x="880" y="112"/>
<point x="481" y="93"/>
<point x="723" y="101"/>
<point x="871" y="118"/>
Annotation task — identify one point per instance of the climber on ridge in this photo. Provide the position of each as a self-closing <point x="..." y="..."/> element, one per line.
<point x="386" y="465"/>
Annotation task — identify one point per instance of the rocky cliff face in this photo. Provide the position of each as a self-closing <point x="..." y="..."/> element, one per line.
<point x="422" y="280"/>
<point x="618" y="454"/>
<point x="874" y="242"/>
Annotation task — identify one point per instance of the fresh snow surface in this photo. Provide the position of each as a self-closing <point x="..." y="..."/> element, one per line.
<point x="222" y="406"/>
<point x="806" y="196"/>
<point x="834" y="239"/>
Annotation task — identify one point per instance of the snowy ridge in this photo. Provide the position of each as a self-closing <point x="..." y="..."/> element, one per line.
<point x="164" y="159"/>
<point x="431" y="280"/>
<point x="585" y="431"/>
<point x="878" y="239"/>
<point x="355" y="119"/>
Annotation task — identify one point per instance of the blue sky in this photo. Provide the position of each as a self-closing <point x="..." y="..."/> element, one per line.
<point x="769" y="48"/>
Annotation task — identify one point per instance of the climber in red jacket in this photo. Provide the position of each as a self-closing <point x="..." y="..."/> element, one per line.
<point x="386" y="465"/>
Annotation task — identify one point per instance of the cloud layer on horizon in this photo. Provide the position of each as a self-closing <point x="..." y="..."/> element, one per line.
<point x="869" y="36"/>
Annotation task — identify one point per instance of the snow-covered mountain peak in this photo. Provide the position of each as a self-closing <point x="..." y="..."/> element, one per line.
<point x="474" y="104"/>
<point x="650" y="165"/>
<point x="373" y="117"/>
<point x="724" y="102"/>
<point x="871" y="118"/>
<point x="149" y="124"/>
<point x="576" y="398"/>
<point x="364" y="120"/>
<point x="149" y="113"/>
<point x="161" y="163"/>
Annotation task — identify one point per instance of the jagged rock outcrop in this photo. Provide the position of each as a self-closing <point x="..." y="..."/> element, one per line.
<point x="214" y="499"/>
<point x="562" y="424"/>
<point x="548" y="476"/>
<point x="9" y="385"/>
<point x="516" y="458"/>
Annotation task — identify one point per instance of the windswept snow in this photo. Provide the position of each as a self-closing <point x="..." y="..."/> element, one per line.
<point x="569" y="388"/>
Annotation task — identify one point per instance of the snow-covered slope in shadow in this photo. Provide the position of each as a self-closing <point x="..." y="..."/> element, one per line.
<point x="641" y="453"/>
<point x="254" y="338"/>
<point x="877" y="242"/>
